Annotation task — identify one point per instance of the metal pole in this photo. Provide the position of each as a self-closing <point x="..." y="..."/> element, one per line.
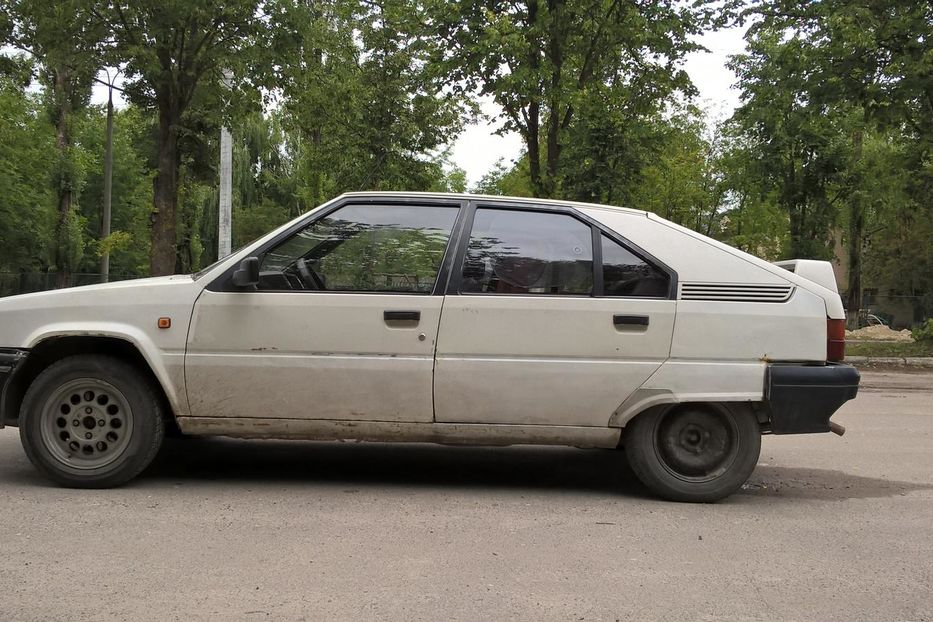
<point x="108" y="188"/>
<point x="226" y="187"/>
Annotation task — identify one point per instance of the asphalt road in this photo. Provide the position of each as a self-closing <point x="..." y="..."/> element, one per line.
<point x="828" y="528"/>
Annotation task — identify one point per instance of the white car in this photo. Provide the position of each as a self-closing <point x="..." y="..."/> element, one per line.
<point x="445" y="319"/>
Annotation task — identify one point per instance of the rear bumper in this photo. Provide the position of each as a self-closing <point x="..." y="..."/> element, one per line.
<point x="802" y="398"/>
<point x="10" y="358"/>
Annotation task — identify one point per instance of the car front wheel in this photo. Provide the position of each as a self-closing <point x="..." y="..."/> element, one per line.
<point x="91" y="421"/>
<point x="693" y="452"/>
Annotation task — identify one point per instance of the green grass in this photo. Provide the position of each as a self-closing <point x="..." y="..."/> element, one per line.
<point x="889" y="348"/>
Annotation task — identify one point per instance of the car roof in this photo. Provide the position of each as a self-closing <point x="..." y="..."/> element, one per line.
<point x="491" y="199"/>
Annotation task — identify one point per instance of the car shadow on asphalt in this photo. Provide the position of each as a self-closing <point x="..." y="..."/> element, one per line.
<point x="519" y="467"/>
<point x="394" y="464"/>
<point x="824" y="484"/>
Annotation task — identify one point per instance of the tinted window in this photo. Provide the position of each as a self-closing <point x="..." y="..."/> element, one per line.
<point x="521" y="252"/>
<point x="363" y="249"/>
<point x="626" y="274"/>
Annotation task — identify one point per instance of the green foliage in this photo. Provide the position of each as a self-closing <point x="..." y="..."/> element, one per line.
<point x="454" y="179"/>
<point x="68" y="245"/>
<point x="924" y="332"/>
<point x="115" y="242"/>
<point x="829" y="152"/>
<point x="132" y="188"/>
<point x="65" y="37"/>
<point x="860" y="73"/>
<point x="385" y="260"/>
<point x="365" y="109"/>
<point x="27" y="157"/>
<point x="175" y="53"/>
<point x="680" y="182"/>
<point x="504" y="180"/>
<point x="793" y="150"/>
<point x="544" y="62"/>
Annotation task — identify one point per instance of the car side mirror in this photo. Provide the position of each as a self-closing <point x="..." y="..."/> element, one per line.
<point x="248" y="273"/>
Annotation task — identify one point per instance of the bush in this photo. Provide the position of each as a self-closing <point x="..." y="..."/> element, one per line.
<point x="924" y="332"/>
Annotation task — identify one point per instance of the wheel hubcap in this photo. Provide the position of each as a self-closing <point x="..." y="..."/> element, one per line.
<point x="86" y="423"/>
<point x="696" y="444"/>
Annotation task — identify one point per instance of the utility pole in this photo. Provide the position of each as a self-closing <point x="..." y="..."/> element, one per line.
<point x="226" y="190"/>
<point x="108" y="182"/>
<point x="224" y="245"/>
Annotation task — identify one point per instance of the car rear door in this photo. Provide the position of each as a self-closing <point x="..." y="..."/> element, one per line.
<point x="548" y="320"/>
<point x="342" y="325"/>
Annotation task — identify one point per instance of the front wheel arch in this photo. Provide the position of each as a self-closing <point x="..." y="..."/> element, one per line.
<point x="52" y="349"/>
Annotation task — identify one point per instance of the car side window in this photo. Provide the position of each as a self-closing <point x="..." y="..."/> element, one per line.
<point x="626" y="274"/>
<point x="528" y="252"/>
<point x="363" y="248"/>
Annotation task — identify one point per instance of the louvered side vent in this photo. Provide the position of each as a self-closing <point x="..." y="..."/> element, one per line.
<point x="736" y="292"/>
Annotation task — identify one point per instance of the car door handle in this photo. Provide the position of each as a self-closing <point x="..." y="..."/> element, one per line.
<point x="630" y="320"/>
<point x="401" y="316"/>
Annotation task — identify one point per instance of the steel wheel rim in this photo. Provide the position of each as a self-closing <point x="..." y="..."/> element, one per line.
<point x="86" y="424"/>
<point x="696" y="444"/>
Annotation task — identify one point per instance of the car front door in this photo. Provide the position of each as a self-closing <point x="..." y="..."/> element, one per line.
<point x="342" y="325"/>
<point x="548" y="320"/>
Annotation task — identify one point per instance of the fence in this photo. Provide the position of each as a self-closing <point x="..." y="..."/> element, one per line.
<point x="898" y="310"/>
<point x="12" y="283"/>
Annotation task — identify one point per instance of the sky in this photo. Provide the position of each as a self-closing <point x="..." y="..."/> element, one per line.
<point x="479" y="148"/>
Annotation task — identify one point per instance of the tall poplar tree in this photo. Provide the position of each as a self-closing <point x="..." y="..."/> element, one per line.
<point x="64" y="37"/>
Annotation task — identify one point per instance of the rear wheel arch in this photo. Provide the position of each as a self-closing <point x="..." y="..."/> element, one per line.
<point x="52" y="349"/>
<point x="664" y="400"/>
<point x="695" y="451"/>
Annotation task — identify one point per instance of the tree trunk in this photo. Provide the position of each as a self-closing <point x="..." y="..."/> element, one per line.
<point x="532" y="141"/>
<point x="533" y="122"/>
<point x="856" y="237"/>
<point x="556" y="55"/>
<point x="163" y="254"/>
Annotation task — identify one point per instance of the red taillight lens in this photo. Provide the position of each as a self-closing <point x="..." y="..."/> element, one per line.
<point x="835" y="340"/>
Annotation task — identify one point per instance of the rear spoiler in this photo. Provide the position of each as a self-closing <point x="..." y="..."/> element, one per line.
<point x="820" y="272"/>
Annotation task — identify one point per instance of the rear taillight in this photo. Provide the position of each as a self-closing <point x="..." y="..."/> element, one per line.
<point x="835" y="340"/>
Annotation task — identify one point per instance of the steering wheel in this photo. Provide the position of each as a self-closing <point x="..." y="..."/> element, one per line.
<point x="310" y="278"/>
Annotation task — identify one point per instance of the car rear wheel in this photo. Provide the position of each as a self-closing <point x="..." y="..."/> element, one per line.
<point x="91" y="421"/>
<point x="693" y="452"/>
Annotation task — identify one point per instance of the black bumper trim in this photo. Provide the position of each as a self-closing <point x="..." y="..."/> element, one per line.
<point x="802" y="398"/>
<point x="10" y="358"/>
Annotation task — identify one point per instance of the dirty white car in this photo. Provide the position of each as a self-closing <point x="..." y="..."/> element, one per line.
<point x="444" y="319"/>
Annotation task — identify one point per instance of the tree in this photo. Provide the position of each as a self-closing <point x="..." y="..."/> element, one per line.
<point x="503" y="179"/>
<point x="681" y="182"/>
<point x="64" y="37"/>
<point x="27" y="158"/>
<point x="539" y="59"/>
<point x="870" y="61"/>
<point x="128" y="242"/>
<point x="360" y="95"/>
<point x="173" y="49"/>
<point x="795" y="145"/>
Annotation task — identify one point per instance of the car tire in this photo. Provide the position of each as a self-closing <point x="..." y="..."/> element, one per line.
<point x="693" y="452"/>
<point x="91" y="421"/>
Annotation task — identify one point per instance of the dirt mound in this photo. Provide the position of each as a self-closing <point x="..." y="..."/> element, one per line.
<point x="878" y="333"/>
